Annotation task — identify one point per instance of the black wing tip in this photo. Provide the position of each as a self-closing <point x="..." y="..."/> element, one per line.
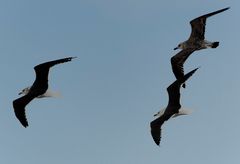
<point x="193" y="71"/>
<point x="74" y="57"/>
<point x="23" y="122"/>
<point x="54" y="62"/>
<point x="25" y="125"/>
<point x="226" y="8"/>
<point x="196" y="69"/>
<point x="219" y="11"/>
<point x="21" y="117"/>
<point x="157" y="143"/>
<point x="188" y="75"/>
<point x="156" y="140"/>
<point x="156" y="136"/>
<point x="69" y="58"/>
<point x="210" y="14"/>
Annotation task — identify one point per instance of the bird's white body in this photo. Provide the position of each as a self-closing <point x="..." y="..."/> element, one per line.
<point x="182" y="111"/>
<point x="48" y="93"/>
<point x="202" y="44"/>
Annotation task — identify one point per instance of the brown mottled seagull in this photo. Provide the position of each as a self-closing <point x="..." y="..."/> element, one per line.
<point x="172" y="109"/>
<point x="196" y="41"/>
<point x="37" y="90"/>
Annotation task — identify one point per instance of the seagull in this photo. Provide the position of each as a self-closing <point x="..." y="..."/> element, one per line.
<point x="195" y="42"/>
<point x="37" y="90"/>
<point x="172" y="109"/>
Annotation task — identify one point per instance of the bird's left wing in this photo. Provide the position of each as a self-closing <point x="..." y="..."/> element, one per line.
<point x="178" y="60"/>
<point x="19" y="108"/>
<point x="198" y="25"/>
<point x="156" y="129"/>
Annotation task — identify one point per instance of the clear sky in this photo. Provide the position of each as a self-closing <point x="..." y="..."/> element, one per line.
<point x="119" y="80"/>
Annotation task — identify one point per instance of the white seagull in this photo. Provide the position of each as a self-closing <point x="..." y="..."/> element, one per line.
<point x="196" y="41"/>
<point x="37" y="90"/>
<point x="172" y="109"/>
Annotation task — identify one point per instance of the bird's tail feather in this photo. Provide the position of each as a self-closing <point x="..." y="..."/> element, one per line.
<point x="183" y="111"/>
<point x="54" y="94"/>
<point x="50" y="93"/>
<point x="215" y="45"/>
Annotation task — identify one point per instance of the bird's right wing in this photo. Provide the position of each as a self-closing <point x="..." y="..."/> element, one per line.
<point x="42" y="70"/>
<point x="178" y="60"/>
<point x="174" y="90"/>
<point x="19" y="108"/>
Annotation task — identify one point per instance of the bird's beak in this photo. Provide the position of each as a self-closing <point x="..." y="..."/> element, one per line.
<point x="155" y="115"/>
<point x="175" y="48"/>
<point x="20" y="93"/>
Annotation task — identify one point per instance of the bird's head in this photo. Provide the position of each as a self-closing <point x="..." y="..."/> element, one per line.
<point x="180" y="46"/>
<point x="160" y="113"/>
<point x="24" y="91"/>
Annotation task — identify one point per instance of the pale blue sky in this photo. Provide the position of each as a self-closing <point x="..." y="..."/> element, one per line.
<point x="119" y="80"/>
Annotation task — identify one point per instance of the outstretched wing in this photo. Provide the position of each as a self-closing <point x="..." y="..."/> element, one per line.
<point x="42" y="70"/>
<point x="198" y="25"/>
<point x="178" y="60"/>
<point x="156" y="129"/>
<point x="19" y="108"/>
<point x="174" y="91"/>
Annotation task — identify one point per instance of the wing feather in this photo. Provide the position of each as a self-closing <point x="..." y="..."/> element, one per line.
<point x="42" y="70"/>
<point x="19" y="108"/>
<point x="198" y="25"/>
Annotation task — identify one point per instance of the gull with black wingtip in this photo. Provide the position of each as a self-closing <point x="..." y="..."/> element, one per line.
<point x="37" y="90"/>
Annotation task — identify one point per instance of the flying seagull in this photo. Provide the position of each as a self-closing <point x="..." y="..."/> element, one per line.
<point x="172" y="109"/>
<point x="38" y="89"/>
<point x="196" y="41"/>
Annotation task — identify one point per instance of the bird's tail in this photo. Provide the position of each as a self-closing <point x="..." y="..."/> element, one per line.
<point x="50" y="93"/>
<point x="182" y="111"/>
<point x="215" y="45"/>
<point x="55" y="94"/>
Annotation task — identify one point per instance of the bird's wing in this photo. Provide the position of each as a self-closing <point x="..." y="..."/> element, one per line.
<point x="174" y="92"/>
<point x="178" y="60"/>
<point x="198" y="25"/>
<point x="19" y="108"/>
<point x="42" y="70"/>
<point x="156" y="129"/>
